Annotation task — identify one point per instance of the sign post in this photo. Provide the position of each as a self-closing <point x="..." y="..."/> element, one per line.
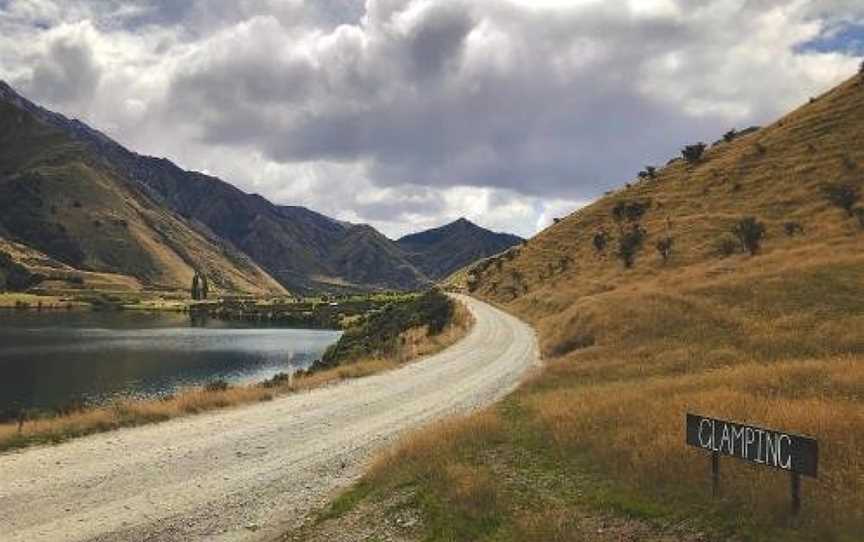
<point x="715" y="474"/>
<point x="794" y="453"/>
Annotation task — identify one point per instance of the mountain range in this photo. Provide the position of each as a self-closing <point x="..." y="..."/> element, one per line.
<point x="75" y="204"/>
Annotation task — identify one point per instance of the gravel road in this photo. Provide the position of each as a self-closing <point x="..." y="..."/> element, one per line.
<point x="249" y="472"/>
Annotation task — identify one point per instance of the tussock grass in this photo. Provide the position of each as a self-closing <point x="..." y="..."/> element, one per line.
<point x="460" y="496"/>
<point x="129" y="413"/>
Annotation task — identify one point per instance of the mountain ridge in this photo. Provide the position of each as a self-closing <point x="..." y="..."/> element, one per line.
<point x="303" y="250"/>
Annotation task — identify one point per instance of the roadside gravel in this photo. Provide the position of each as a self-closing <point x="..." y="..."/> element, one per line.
<point x="248" y="473"/>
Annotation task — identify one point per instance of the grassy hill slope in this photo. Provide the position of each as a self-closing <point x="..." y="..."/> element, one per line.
<point x="774" y="339"/>
<point x="61" y="201"/>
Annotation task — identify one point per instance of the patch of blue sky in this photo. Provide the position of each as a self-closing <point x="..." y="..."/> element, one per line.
<point x="846" y="38"/>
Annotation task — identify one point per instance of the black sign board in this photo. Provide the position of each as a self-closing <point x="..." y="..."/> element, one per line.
<point x="777" y="449"/>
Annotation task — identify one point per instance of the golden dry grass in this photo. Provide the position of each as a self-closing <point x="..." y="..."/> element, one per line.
<point x="22" y="300"/>
<point x="775" y="340"/>
<point x="128" y="413"/>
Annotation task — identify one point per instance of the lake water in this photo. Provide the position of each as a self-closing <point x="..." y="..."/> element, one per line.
<point x="50" y="359"/>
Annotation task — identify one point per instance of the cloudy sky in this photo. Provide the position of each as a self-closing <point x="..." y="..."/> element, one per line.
<point x="409" y="113"/>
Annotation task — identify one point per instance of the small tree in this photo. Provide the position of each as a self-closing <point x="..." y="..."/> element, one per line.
<point x="196" y="287"/>
<point x="730" y="135"/>
<point x="205" y="288"/>
<point x="793" y="228"/>
<point x="629" y="244"/>
<point x="632" y="211"/>
<point x="564" y="263"/>
<point x="664" y="248"/>
<point x="844" y="196"/>
<point x="727" y="245"/>
<point x="750" y="233"/>
<point x="693" y="153"/>
<point x="601" y="239"/>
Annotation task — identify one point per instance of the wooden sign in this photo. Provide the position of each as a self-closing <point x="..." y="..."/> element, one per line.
<point x="794" y="453"/>
<point x="755" y="444"/>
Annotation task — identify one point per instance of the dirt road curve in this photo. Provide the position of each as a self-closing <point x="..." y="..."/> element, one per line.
<point x="246" y="473"/>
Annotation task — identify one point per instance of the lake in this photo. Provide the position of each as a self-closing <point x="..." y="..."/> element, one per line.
<point x="51" y="359"/>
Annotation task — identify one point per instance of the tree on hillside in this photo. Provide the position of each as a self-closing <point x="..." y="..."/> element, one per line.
<point x="629" y="243"/>
<point x="730" y="135"/>
<point x="650" y="172"/>
<point x="205" y="287"/>
<point x="632" y="211"/>
<point x="844" y="196"/>
<point x="693" y="153"/>
<point x="196" y="287"/>
<point x="601" y="239"/>
<point x="664" y="248"/>
<point x="750" y="233"/>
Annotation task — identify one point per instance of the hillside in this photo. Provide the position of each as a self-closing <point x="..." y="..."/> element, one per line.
<point x="775" y="339"/>
<point x="71" y="217"/>
<point x="303" y="250"/>
<point x="441" y="251"/>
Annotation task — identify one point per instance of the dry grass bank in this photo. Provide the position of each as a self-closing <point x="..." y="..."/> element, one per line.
<point x="13" y="300"/>
<point x="129" y="413"/>
<point x="775" y="339"/>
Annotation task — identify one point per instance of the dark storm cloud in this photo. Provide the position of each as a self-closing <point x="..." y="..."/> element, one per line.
<point x="67" y="73"/>
<point x="406" y="98"/>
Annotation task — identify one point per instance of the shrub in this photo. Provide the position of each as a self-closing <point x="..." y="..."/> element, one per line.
<point x="379" y="335"/>
<point x="793" y="228"/>
<point x="277" y="380"/>
<point x="632" y="211"/>
<point x="601" y="239"/>
<point x="650" y="172"/>
<point x="750" y="233"/>
<point x="693" y="153"/>
<point x="727" y="245"/>
<point x="14" y="276"/>
<point x="664" y="248"/>
<point x="859" y="213"/>
<point x="730" y="135"/>
<point x="564" y="262"/>
<point x="629" y="244"/>
<point x="844" y="196"/>
<point x="217" y="385"/>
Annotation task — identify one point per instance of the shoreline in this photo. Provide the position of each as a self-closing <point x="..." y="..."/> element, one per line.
<point x="217" y="395"/>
